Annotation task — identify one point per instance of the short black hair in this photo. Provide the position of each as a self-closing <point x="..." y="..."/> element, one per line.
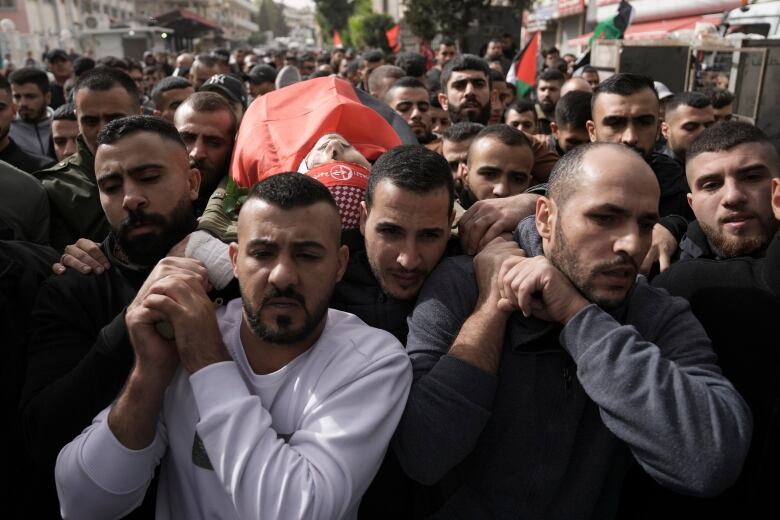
<point x="82" y="64"/>
<point x="127" y="126"/>
<point x="435" y="100"/>
<point x="504" y="134"/>
<point x="373" y="55"/>
<point x="4" y="85"/>
<point x="307" y="56"/>
<point x="64" y="112"/>
<point x="720" y="97"/>
<point x="407" y="82"/>
<point x="624" y="84"/>
<point x="496" y="76"/>
<point x="589" y="68"/>
<point x="210" y="102"/>
<point x="447" y="42"/>
<point x="725" y="135"/>
<point x="522" y="105"/>
<point x="412" y="167"/>
<point x="551" y="50"/>
<point x="559" y="65"/>
<point x="552" y="75"/>
<point x="462" y="131"/>
<point x="27" y="75"/>
<point x="106" y="78"/>
<point x="573" y="109"/>
<point x="463" y="62"/>
<point x="133" y="65"/>
<point x="166" y="84"/>
<point x="690" y="99"/>
<point x="114" y="63"/>
<point x="292" y="190"/>
<point x="413" y="63"/>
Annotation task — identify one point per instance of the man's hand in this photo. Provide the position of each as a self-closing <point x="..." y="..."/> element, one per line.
<point x="487" y="265"/>
<point x="182" y="300"/>
<point x="180" y="248"/>
<point x="661" y="250"/>
<point x="488" y="219"/>
<point x="84" y="256"/>
<point x="537" y="288"/>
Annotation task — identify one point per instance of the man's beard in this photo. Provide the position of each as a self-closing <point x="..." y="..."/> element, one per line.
<point x="283" y="333"/>
<point x="210" y="177"/>
<point x="458" y="116"/>
<point x="566" y="260"/>
<point x="149" y="248"/>
<point x="548" y="107"/>
<point x="4" y="132"/>
<point x="31" y="117"/>
<point x="730" y="246"/>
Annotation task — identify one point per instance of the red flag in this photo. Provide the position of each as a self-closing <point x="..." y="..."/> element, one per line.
<point x="336" y="39"/>
<point x="425" y="50"/>
<point x="523" y="70"/>
<point x="392" y="38"/>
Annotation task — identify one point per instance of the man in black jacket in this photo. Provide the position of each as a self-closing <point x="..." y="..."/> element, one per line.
<point x="625" y="110"/>
<point x="79" y="354"/>
<point x="737" y="300"/>
<point x="730" y="168"/>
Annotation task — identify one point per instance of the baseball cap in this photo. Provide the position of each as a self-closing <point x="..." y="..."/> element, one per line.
<point x="57" y="54"/>
<point x="226" y="85"/>
<point x="663" y="90"/>
<point x="261" y="74"/>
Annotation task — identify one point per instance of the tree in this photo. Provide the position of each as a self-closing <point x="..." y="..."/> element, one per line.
<point x="369" y="30"/>
<point x="332" y="15"/>
<point x="269" y="18"/>
<point x="427" y="18"/>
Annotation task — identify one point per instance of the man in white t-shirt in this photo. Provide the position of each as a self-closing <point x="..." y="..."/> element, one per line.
<point x="272" y="406"/>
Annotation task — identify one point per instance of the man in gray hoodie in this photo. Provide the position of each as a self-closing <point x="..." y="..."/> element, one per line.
<point x="539" y="381"/>
<point x="31" y="130"/>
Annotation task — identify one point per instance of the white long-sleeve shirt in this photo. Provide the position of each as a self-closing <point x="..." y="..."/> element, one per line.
<point x="302" y="442"/>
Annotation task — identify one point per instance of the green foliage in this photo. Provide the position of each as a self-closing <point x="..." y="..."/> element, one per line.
<point x="369" y="30"/>
<point x="332" y="15"/>
<point x="269" y="18"/>
<point x="427" y="18"/>
<point x="235" y="196"/>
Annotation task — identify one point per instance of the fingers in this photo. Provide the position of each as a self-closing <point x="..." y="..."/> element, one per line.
<point x="85" y="256"/>
<point x="650" y="258"/>
<point x="664" y="260"/>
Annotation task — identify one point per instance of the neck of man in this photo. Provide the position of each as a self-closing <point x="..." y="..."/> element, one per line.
<point x="265" y="357"/>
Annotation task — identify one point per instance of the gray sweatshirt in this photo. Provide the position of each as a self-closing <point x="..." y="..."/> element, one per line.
<point x="34" y="138"/>
<point x="552" y="434"/>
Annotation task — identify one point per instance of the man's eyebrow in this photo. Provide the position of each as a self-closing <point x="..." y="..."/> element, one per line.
<point x="108" y="177"/>
<point x="137" y="170"/>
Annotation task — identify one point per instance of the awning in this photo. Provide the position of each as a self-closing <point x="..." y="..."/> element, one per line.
<point x="656" y="30"/>
<point x="187" y="24"/>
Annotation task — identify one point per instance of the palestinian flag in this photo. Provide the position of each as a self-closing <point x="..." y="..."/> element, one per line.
<point x="522" y="73"/>
<point x="614" y="28"/>
<point x="336" y="39"/>
<point x="392" y="38"/>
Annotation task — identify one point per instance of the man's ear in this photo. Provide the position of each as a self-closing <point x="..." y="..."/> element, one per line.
<point x="554" y="128"/>
<point x="363" y="217"/>
<point x="591" y="126"/>
<point x="156" y="113"/>
<point x="665" y="130"/>
<point x="546" y="213"/>
<point x="689" y="196"/>
<point x="193" y="182"/>
<point x="443" y="101"/>
<point x="343" y="262"/>
<point x="776" y="197"/>
<point x="233" y="253"/>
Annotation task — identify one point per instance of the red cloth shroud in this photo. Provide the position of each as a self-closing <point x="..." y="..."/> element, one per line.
<point x="347" y="183"/>
<point x="280" y="128"/>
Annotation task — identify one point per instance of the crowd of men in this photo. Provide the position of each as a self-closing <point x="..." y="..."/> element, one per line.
<point x="552" y="307"/>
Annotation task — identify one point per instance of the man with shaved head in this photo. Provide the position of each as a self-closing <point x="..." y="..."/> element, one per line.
<point x="382" y="78"/>
<point x="560" y="371"/>
<point x="257" y="409"/>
